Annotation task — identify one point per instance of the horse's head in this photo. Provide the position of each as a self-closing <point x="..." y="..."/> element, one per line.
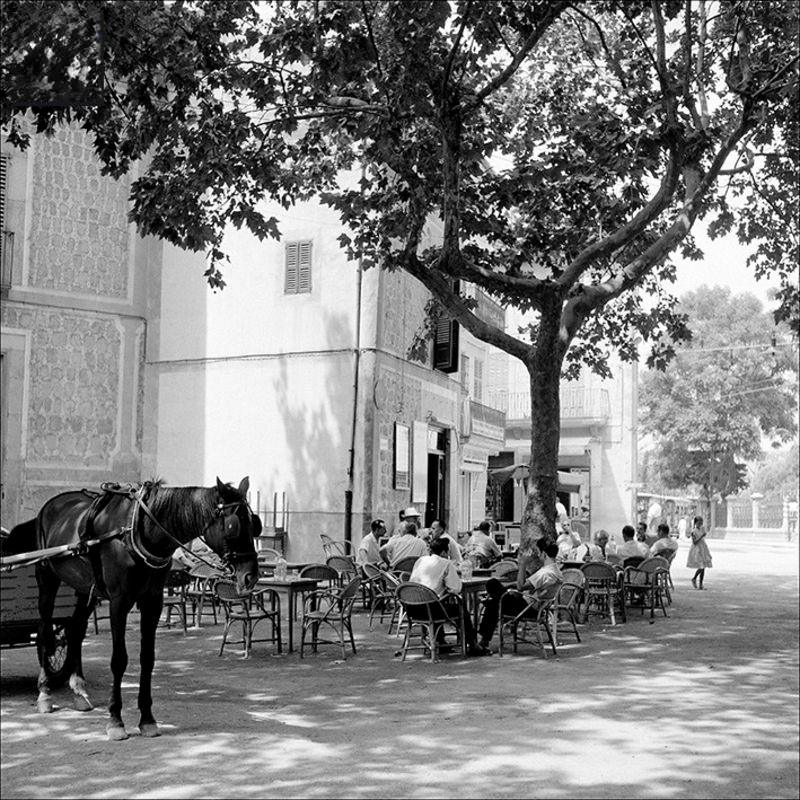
<point x="231" y="534"/>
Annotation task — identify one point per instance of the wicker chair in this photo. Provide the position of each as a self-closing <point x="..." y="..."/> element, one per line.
<point x="382" y="593"/>
<point x="518" y="616"/>
<point x="504" y="569"/>
<point x="335" y="547"/>
<point x="175" y="597"/>
<point x="566" y="606"/>
<point x="321" y="573"/>
<point x="200" y="592"/>
<point x="647" y="584"/>
<point x="426" y="618"/>
<point x="405" y="564"/>
<point x="332" y="607"/>
<point x="344" y="566"/>
<point x="603" y="591"/>
<point x="249" y="609"/>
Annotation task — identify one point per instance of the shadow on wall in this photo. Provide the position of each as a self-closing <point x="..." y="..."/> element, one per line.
<point x="314" y="403"/>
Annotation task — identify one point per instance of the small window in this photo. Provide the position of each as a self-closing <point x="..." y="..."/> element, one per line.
<point x="298" y="268"/>
<point x="478" y="381"/>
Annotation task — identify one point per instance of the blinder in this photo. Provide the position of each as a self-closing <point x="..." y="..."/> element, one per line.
<point x="231" y="528"/>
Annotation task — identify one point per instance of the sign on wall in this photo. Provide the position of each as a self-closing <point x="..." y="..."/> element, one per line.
<point x="401" y="456"/>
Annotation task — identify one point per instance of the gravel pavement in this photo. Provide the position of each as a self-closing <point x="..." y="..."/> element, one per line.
<point x="701" y="704"/>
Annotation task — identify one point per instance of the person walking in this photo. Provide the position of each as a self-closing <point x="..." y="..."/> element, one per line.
<point x="699" y="558"/>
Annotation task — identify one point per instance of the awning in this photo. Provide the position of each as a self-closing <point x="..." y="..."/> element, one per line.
<point x="567" y="481"/>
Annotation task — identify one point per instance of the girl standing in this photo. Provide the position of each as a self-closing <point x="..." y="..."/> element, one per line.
<point x="699" y="557"/>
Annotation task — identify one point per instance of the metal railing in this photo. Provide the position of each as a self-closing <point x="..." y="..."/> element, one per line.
<point x="576" y="403"/>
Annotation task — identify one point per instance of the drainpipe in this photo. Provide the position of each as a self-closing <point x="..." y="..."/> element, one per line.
<point x="348" y="494"/>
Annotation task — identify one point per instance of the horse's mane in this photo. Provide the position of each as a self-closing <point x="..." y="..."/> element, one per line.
<point x="188" y="508"/>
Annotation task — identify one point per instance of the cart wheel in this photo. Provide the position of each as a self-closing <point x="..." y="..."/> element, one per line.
<point x="56" y="664"/>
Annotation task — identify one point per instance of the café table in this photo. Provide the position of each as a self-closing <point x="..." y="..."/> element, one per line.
<point x="471" y="589"/>
<point x="294" y="587"/>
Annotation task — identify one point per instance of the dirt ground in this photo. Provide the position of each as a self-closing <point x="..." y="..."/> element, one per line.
<point x="702" y="704"/>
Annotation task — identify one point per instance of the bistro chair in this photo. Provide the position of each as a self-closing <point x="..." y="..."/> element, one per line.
<point x="669" y="557"/>
<point x="405" y="564"/>
<point x="335" y="547"/>
<point x="332" y="607"/>
<point x="345" y="567"/>
<point x="176" y="586"/>
<point x="504" y="569"/>
<point x="614" y="560"/>
<point x="572" y="565"/>
<point x="523" y="618"/>
<point x="322" y="574"/>
<point x="603" y="591"/>
<point x="426" y="617"/>
<point x="267" y="558"/>
<point x="200" y="592"/>
<point x="632" y="561"/>
<point x="646" y="584"/>
<point x="249" y="609"/>
<point x="565" y="608"/>
<point x="382" y="587"/>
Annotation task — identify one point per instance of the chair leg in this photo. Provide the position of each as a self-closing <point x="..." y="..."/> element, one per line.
<point x="228" y="624"/>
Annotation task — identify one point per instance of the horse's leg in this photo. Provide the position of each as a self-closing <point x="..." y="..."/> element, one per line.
<point x="118" y="615"/>
<point x="48" y="583"/>
<point x="150" y="606"/>
<point x="77" y="633"/>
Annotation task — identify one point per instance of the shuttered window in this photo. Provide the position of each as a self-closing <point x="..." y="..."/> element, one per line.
<point x="298" y="268"/>
<point x="445" y="342"/>
<point x="478" y="381"/>
<point x="465" y="373"/>
<point x="3" y="175"/>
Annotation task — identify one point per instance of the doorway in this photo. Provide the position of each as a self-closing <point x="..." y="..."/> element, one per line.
<point x="435" y="506"/>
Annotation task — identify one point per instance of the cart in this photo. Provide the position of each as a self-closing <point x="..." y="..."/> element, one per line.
<point x="19" y="614"/>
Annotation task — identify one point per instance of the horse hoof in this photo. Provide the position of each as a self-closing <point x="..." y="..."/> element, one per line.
<point x="149" y="730"/>
<point x="82" y="703"/>
<point x="116" y="733"/>
<point x="44" y="706"/>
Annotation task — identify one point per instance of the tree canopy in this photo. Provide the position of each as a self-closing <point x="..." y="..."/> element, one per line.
<point x="732" y="385"/>
<point x="566" y="147"/>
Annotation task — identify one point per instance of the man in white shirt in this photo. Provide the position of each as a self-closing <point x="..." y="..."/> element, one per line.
<point x="538" y="588"/>
<point x="439" y="531"/>
<point x="482" y="547"/>
<point x="438" y="572"/>
<point x="403" y="546"/>
<point x="369" y="549"/>
<point x="664" y="541"/>
<point x="630" y="547"/>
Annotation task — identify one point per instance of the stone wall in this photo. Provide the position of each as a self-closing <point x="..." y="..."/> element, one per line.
<point x="79" y="227"/>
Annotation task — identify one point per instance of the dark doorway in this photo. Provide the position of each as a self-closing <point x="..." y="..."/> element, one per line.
<point x="434" y="508"/>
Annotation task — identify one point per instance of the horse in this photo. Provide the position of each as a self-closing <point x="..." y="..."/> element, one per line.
<point x="125" y="538"/>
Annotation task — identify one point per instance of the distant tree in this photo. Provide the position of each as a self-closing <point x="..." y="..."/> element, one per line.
<point x="734" y="383"/>
<point x="777" y="477"/>
<point x="617" y="125"/>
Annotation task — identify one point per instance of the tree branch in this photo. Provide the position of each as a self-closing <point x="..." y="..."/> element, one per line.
<point x="614" y="63"/>
<point x="554" y="10"/>
<point x="625" y="233"/>
<point x="451" y="58"/>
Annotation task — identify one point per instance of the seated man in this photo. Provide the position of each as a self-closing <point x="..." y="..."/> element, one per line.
<point x="439" y="531"/>
<point x="403" y="546"/>
<point x="629" y="547"/>
<point x="664" y="542"/>
<point x="369" y="549"/>
<point x="591" y="551"/>
<point x="567" y="542"/>
<point x="539" y="588"/>
<point x="438" y="572"/>
<point x="481" y="547"/>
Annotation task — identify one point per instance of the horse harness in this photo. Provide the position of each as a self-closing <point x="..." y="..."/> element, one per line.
<point x="131" y="534"/>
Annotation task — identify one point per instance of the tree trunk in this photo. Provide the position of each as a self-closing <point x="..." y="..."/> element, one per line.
<point x="544" y="368"/>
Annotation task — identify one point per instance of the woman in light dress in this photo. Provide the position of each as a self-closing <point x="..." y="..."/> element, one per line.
<point x="699" y="558"/>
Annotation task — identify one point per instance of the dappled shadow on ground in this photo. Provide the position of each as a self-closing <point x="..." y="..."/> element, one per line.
<point x="702" y="704"/>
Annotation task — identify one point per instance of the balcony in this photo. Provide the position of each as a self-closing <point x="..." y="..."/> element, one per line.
<point x="578" y="405"/>
<point x="480" y="420"/>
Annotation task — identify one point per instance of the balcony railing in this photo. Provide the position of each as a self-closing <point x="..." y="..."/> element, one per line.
<point x="576" y="403"/>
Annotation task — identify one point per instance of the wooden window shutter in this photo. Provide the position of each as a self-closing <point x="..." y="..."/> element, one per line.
<point x="478" y="382"/>
<point x="304" y="268"/>
<point x="445" y="343"/>
<point x="298" y="267"/>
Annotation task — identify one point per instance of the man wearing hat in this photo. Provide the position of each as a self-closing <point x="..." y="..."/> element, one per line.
<point x="408" y="543"/>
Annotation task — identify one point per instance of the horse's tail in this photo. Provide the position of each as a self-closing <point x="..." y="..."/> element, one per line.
<point x="21" y="539"/>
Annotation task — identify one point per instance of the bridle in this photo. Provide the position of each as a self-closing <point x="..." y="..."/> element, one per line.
<point x="231" y="532"/>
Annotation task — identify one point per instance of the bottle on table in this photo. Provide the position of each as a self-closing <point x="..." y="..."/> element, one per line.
<point x="466" y="568"/>
<point x="281" y="569"/>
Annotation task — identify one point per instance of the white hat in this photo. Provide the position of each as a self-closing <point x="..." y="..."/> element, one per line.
<point x="411" y="512"/>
